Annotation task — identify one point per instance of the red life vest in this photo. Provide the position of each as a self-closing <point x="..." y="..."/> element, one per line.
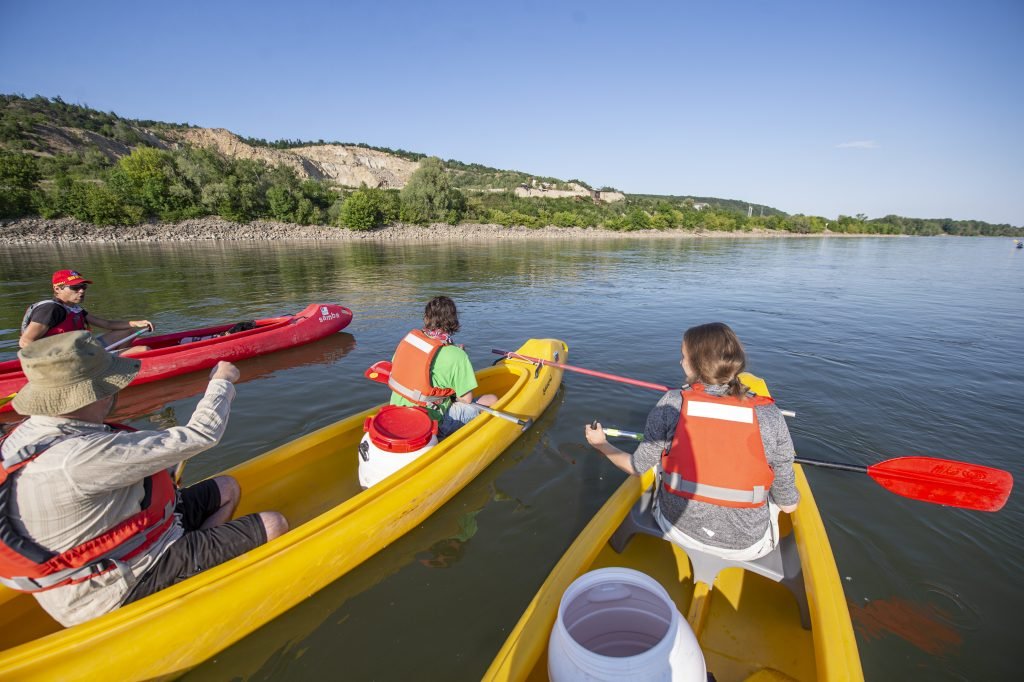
<point x="28" y="567"/>
<point x="74" y="320"/>
<point x="716" y="454"/>
<point x="410" y="369"/>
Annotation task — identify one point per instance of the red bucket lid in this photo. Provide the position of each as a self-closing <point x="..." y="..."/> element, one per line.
<point x="397" y="428"/>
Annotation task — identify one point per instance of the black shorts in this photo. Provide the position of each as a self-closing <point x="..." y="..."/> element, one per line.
<point x="199" y="549"/>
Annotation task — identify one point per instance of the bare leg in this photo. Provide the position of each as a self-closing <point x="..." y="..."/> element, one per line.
<point x="487" y="400"/>
<point x="274" y="523"/>
<point x="230" y="494"/>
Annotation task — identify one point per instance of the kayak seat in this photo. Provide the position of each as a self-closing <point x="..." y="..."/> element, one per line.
<point x="781" y="565"/>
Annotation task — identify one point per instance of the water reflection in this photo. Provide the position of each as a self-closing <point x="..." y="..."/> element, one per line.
<point x="884" y="347"/>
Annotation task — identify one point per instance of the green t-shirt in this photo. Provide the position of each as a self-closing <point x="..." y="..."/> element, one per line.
<point x="451" y="369"/>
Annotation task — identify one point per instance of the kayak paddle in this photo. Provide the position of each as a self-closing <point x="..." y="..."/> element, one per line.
<point x="928" y="479"/>
<point x="380" y="372"/>
<point x="6" y="399"/>
<point x="599" y="375"/>
<point x="126" y="339"/>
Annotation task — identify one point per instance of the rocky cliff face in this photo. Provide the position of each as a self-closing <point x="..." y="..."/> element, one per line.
<point x="574" y="190"/>
<point x="346" y="165"/>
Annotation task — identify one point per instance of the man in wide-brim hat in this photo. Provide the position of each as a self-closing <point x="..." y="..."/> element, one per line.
<point x="89" y="516"/>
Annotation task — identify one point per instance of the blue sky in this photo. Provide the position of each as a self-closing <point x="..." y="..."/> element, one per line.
<point x="822" y="108"/>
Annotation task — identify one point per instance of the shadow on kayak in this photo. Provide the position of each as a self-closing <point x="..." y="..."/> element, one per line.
<point x="440" y="541"/>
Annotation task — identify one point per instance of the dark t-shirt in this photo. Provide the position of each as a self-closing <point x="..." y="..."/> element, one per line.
<point x="50" y="314"/>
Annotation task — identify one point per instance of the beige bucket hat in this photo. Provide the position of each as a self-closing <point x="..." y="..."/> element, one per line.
<point x="68" y="371"/>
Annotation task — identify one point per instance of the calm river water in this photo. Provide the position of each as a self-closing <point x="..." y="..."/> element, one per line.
<point x="883" y="347"/>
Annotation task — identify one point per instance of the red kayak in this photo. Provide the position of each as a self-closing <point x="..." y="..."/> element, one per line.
<point x="178" y="353"/>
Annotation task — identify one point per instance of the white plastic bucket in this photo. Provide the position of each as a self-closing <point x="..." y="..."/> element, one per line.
<point x="620" y="624"/>
<point x="375" y="464"/>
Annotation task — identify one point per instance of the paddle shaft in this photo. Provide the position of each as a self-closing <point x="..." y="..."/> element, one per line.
<point x="583" y="370"/>
<point x="525" y="423"/>
<point x="179" y="471"/>
<point x="127" y="339"/>
<point x="831" y="465"/>
<point x="599" y="375"/>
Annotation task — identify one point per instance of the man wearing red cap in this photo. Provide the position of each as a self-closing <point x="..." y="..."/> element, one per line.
<point x="64" y="313"/>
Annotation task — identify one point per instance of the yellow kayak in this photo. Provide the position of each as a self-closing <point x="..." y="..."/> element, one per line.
<point x="748" y="626"/>
<point x="335" y="527"/>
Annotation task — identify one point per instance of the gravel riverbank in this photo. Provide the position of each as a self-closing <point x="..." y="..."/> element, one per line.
<point x="66" y="230"/>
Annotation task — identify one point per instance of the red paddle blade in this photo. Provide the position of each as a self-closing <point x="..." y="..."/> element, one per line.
<point x="942" y="481"/>
<point x="379" y="371"/>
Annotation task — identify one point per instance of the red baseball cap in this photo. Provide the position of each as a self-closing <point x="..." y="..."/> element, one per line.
<point x="66" y="277"/>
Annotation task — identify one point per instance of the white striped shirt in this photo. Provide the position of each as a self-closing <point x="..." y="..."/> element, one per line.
<point x="85" y="485"/>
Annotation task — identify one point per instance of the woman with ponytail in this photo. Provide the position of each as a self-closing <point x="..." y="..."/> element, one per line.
<point x="724" y="455"/>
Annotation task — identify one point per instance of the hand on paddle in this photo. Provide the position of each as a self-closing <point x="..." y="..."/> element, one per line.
<point x="594" y="433"/>
<point x="226" y="371"/>
<point x="140" y="324"/>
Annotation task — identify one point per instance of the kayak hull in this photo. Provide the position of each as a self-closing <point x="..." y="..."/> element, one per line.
<point x="747" y="626"/>
<point x="168" y="357"/>
<point x="335" y="527"/>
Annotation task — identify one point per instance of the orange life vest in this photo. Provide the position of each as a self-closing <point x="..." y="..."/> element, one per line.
<point x="410" y="369"/>
<point x="716" y="454"/>
<point x="74" y="321"/>
<point x="28" y="567"/>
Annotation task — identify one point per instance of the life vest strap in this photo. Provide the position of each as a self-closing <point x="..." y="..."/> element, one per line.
<point x="758" y="495"/>
<point x="71" y="575"/>
<point x="414" y="395"/>
<point x="148" y="533"/>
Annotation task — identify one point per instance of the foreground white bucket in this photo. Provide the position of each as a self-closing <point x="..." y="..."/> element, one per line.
<point x="620" y="624"/>
<point x="379" y="464"/>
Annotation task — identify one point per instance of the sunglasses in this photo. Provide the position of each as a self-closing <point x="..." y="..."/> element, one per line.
<point x="78" y="287"/>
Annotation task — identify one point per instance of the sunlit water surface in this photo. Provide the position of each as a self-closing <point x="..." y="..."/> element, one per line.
<point x="883" y="347"/>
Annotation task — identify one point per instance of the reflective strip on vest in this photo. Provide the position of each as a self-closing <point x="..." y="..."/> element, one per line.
<point x="418" y="343"/>
<point x="414" y="395"/>
<point x="731" y="413"/>
<point x="756" y="496"/>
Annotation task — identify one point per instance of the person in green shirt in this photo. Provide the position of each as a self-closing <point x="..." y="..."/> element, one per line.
<point x="431" y="349"/>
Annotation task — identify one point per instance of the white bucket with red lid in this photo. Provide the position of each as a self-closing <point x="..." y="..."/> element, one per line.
<point x="394" y="437"/>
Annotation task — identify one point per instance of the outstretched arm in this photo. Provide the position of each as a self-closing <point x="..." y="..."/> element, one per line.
<point x="119" y="325"/>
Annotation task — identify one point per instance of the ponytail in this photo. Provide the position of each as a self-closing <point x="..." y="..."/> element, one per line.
<point x="715" y="355"/>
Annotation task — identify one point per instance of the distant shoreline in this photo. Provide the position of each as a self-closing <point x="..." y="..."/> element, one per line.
<point x="69" y="230"/>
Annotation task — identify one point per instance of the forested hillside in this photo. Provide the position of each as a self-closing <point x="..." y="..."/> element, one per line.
<point x="59" y="159"/>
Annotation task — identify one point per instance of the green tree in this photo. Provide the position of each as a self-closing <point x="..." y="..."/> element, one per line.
<point x="283" y="203"/>
<point x="368" y="208"/>
<point x="429" y="196"/>
<point x="18" y="177"/>
<point x="144" y="178"/>
<point x="638" y="220"/>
